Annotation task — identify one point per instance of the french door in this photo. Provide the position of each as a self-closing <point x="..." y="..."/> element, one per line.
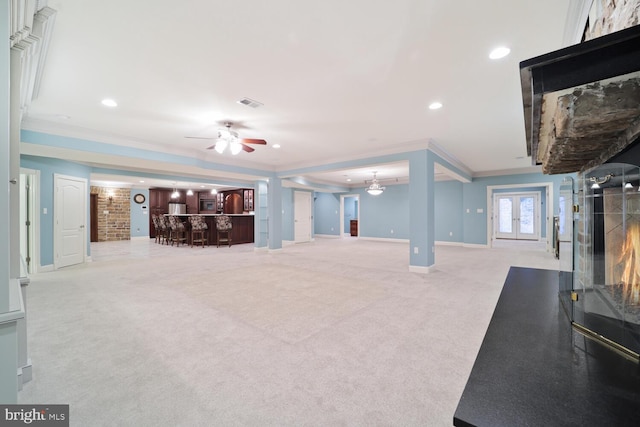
<point x="517" y="216"/>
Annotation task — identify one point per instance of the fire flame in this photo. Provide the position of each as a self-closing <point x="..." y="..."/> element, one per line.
<point x="631" y="258"/>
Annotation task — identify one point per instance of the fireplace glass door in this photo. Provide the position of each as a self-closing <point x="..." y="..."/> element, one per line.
<point x="607" y="251"/>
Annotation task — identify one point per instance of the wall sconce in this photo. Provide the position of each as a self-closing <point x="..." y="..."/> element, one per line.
<point x="110" y="196"/>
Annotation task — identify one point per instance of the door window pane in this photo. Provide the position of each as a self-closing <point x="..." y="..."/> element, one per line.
<point x="505" y="215"/>
<point x="526" y="215"/>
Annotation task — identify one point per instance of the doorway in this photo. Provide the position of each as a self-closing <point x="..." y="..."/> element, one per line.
<point x="517" y="216"/>
<point x="350" y="214"/>
<point x="545" y="189"/>
<point x="69" y="220"/>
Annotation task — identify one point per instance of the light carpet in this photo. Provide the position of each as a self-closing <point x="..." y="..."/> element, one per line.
<point x="334" y="332"/>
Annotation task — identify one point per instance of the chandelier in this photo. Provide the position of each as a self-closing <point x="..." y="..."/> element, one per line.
<point x="375" y="189"/>
<point x="228" y="138"/>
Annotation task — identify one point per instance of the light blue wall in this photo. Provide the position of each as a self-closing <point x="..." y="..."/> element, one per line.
<point x="48" y="167"/>
<point x="448" y="211"/>
<point x="326" y="213"/>
<point x="390" y="211"/>
<point x="475" y="197"/>
<point x="140" y="214"/>
<point x="386" y="215"/>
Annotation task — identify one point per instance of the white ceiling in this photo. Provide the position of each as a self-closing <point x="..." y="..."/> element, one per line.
<point x="339" y="80"/>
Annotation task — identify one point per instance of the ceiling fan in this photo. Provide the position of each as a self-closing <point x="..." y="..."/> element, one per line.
<point x="229" y="138"/>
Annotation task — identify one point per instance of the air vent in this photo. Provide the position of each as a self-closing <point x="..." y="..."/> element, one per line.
<point x="250" y="103"/>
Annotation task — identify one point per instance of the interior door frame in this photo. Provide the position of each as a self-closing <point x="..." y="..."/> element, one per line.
<point x="549" y="199"/>
<point x="56" y="216"/>
<point x="341" y="228"/>
<point x="516" y="197"/>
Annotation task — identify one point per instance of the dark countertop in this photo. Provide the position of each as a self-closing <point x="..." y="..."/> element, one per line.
<point x="534" y="370"/>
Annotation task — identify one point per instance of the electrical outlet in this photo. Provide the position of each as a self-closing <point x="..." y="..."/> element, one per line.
<point x="392" y="231"/>
<point x="415" y="249"/>
<point x="451" y="233"/>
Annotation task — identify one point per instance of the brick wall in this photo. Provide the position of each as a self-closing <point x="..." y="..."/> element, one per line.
<point x="116" y="224"/>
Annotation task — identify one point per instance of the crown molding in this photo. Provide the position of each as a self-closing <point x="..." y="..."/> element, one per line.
<point x="516" y="171"/>
<point x="577" y="14"/>
<point x="445" y="155"/>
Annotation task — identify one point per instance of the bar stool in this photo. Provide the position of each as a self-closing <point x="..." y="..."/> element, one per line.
<point x="198" y="230"/>
<point x="178" y="231"/>
<point x="162" y="229"/>
<point x="223" y="228"/>
<point x="156" y="226"/>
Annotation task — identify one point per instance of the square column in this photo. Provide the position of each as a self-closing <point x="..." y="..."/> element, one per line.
<point x="421" y="212"/>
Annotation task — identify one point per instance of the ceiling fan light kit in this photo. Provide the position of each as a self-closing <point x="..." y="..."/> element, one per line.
<point x="228" y="138"/>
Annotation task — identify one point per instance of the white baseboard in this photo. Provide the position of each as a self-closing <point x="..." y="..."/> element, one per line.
<point x="474" y="245"/>
<point x="140" y="237"/>
<point x="260" y="249"/>
<point x="421" y="270"/>
<point x="384" y="239"/>
<point x="288" y="242"/>
<point x="46" y="268"/>
<point x="275" y="251"/>
<point x="327" y="236"/>
<point x="444" y="243"/>
<point x="25" y="374"/>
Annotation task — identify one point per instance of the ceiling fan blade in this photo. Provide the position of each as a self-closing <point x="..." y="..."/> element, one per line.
<point x="253" y="141"/>
<point x="247" y="148"/>
<point x="212" y="147"/>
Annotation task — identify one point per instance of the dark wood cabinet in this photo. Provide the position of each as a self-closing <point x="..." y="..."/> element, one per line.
<point x="192" y="203"/>
<point x="353" y="227"/>
<point x="234" y="202"/>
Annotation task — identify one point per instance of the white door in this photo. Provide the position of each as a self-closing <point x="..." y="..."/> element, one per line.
<point x="70" y="213"/>
<point x="302" y="216"/>
<point x="517" y="216"/>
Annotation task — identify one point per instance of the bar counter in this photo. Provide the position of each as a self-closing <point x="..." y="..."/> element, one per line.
<point x="242" y="231"/>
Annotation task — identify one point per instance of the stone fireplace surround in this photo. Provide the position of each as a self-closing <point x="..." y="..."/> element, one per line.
<point x="582" y="103"/>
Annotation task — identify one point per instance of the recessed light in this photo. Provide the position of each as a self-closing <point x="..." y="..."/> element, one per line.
<point x="348" y="179"/>
<point x="435" y="106"/>
<point x="499" y="52"/>
<point x="141" y="181"/>
<point x="109" y="103"/>
<point x="276" y="145"/>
